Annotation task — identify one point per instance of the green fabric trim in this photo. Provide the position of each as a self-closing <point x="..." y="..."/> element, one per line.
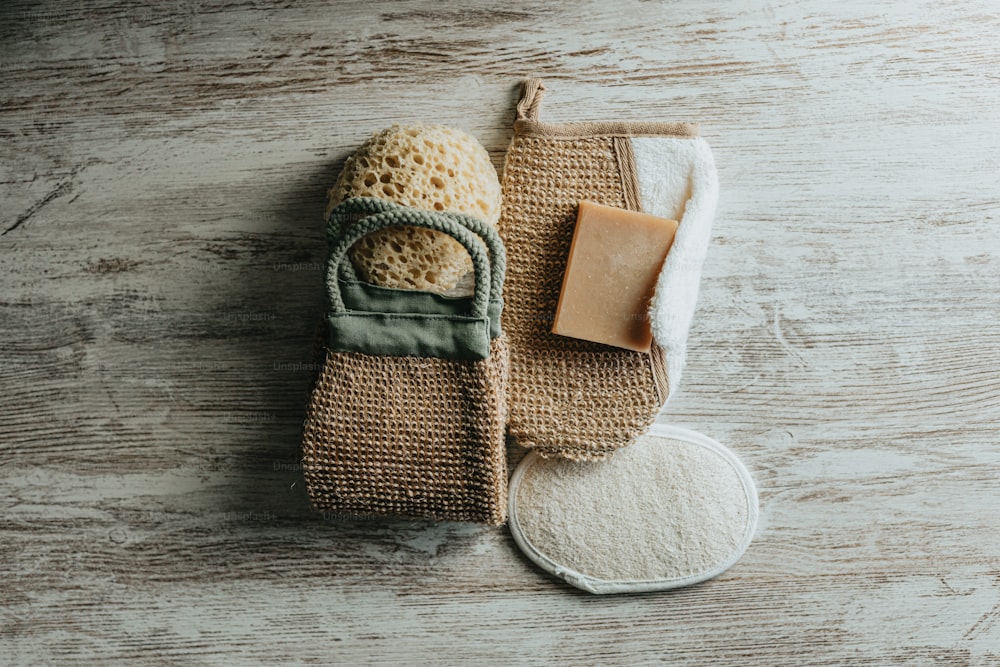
<point x="382" y="321"/>
<point x="362" y="296"/>
<point x="410" y="334"/>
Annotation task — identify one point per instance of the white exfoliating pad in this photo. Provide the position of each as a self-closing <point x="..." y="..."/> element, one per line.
<point x="673" y="509"/>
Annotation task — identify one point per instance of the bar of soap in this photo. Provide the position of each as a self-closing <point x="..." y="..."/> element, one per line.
<point x="614" y="260"/>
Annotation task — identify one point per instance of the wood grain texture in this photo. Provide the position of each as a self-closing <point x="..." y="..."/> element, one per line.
<point x="162" y="173"/>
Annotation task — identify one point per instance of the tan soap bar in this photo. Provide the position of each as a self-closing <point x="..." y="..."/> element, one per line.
<point x="611" y="272"/>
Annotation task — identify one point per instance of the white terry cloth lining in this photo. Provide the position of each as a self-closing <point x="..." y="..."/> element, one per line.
<point x="677" y="180"/>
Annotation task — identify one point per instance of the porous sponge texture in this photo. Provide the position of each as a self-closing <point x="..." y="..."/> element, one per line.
<point x="430" y="167"/>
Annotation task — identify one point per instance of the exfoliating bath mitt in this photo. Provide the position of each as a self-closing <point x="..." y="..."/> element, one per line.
<point x="571" y="397"/>
<point x="407" y="415"/>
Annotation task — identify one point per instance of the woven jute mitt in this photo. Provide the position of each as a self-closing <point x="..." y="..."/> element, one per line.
<point x="569" y="397"/>
<point x="407" y="415"/>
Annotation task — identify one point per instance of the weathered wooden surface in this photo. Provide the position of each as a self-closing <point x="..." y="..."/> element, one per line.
<point x="162" y="171"/>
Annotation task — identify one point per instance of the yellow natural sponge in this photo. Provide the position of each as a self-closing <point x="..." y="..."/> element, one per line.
<point x="429" y="167"/>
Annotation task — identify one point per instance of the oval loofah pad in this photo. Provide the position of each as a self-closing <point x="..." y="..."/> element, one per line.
<point x="673" y="509"/>
<point x="429" y="167"/>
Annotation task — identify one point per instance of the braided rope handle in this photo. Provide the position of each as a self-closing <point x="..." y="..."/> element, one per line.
<point x="376" y="214"/>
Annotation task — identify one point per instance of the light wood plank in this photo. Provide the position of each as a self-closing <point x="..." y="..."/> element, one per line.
<point x="162" y="170"/>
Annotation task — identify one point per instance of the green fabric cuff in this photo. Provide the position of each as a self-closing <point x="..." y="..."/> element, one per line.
<point x="361" y="296"/>
<point x="409" y="334"/>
